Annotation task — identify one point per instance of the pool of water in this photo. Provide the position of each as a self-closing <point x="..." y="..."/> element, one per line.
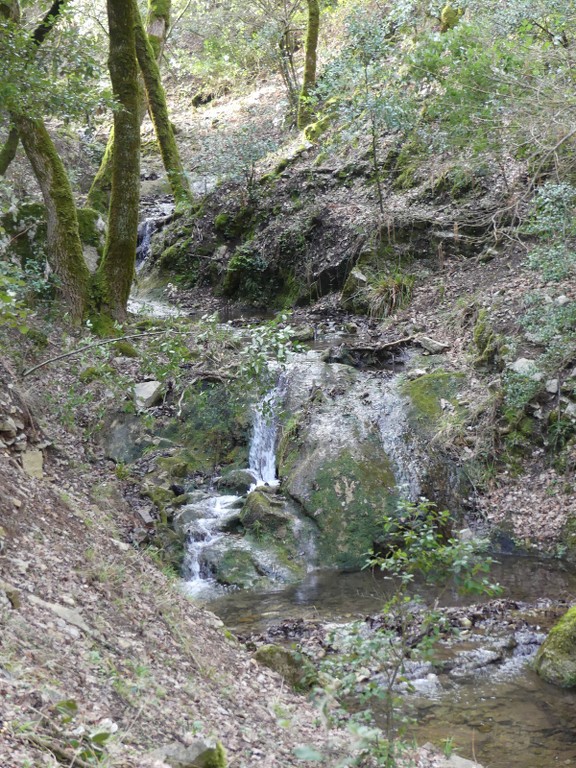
<point x="505" y="717"/>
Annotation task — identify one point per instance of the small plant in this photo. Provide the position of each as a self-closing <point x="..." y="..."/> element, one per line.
<point x="417" y="545"/>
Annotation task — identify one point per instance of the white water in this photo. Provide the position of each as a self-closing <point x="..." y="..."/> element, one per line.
<point x="203" y="532"/>
<point x="210" y="515"/>
<point x="262" y="457"/>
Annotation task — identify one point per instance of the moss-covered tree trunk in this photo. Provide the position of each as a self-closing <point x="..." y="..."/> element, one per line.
<point x="8" y="151"/>
<point x="116" y="271"/>
<point x="309" y="80"/>
<point x="157" y="24"/>
<point x="162" y="125"/>
<point x="11" y="10"/>
<point x="63" y="239"/>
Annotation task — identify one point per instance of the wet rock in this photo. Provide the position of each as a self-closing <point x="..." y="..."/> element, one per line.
<point x="469" y="663"/>
<point x="556" y="660"/>
<point x="199" y="754"/>
<point x="296" y="670"/>
<point x="237" y="481"/>
<point x="233" y="567"/>
<point x="147" y="394"/>
<point x="266" y="514"/>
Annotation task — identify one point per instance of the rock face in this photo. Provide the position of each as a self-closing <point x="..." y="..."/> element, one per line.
<point x="556" y="659"/>
<point x="352" y="445"/>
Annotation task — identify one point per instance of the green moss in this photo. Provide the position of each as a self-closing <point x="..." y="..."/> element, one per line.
<point x="125" y="349"/>
<point x="426" y="394"/>
<point x="449" y="17"/>
<point x="556" y="659"/>
<point x="92" y="372"/>
<point x="221" y="222"/>
<point x="296" y="670"/>
<point x="217" y="759"/>
<point x="177" y="467"/>
<point x="90" y="234"/>
<point x="488" y="344"/>
<point x="313" y="131"/>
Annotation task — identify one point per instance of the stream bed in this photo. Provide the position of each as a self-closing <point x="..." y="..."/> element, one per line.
<point x="504" y="716"/>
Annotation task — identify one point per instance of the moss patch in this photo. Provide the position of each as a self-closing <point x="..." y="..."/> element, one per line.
<point x="426" y="394"/>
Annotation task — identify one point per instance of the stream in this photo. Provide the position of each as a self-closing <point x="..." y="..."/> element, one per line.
<point x="501" y="714"/>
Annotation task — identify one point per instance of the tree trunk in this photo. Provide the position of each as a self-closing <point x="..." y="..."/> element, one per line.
<point x="309" y="81"/>
<point x="116" y="271"/>
<point x="157" y="23"/>
<point x="11" y="10"/>
<point x="63" y="239"/>
<point x="8" y="151"/>
<point x="162" y="125"/>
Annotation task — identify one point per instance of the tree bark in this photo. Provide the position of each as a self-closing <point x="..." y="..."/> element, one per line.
<point x="8" y="151"/>
<point x="11" y="11"/>
<point x="157" y="24"/>
<point x="162" y="125"/>
<point x="63" y="238"/>
<point x="116" y="271"/>
<point x="309" y="80"/>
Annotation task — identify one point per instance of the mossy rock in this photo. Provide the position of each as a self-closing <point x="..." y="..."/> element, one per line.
<point x="449" y="17"/>
<point x="426" y="394"/>
<point x="125" y="349"/>
<point x="313" y="131"/>
<point x="296" y="670"/>
<point x="235" y="567"/>
<point x="265" y="514"/>
<point x="488" y="344"/>
<point x="177" y="467"/>
<point x="345" y="495"/>
<point x="556" y="660"/>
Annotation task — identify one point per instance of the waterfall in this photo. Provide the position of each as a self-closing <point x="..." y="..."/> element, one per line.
<point x="262" y="457"/>
<point x="145" y="231"/>
<point x="209" y="516"/>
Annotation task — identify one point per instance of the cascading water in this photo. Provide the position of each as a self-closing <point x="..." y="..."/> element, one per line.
<point x="210" y="515"/>
<point x="262" y="458"/>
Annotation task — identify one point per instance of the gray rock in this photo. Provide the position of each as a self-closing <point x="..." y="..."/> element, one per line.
<point x="200" y="754"/>
<point x="237" y="480"/>
<point x="526" y="367"/>
<point x="147" y="394"/>
<point x="552" y="386"/>
<point x="33" y="463"/>
<point x="432" y="345"/>
<point x="8" y="425"/>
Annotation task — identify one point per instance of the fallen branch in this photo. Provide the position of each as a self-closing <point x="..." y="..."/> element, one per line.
<point x="64" y="756"/>
<point x="99" y="344"/>
<point x="382" y="347"/>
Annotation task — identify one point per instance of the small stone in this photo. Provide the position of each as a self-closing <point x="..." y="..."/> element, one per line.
<point x="552" y="386"/>
<point x="33" y="463"/>
<point x="8" y="425"/>
<point x="199" y="754"/>
<point x="147" y="394"/>
<point x="16" y="502"/>
<point x="526" y="367"/>
<point x="562" y="300"/>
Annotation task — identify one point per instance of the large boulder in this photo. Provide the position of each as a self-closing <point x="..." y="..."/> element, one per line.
<point x="556" y="659"/>
<point x="353" y="443"/>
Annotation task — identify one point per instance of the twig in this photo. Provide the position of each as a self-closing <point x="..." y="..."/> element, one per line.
<point x="61" y="754"/>
<point x="99" y="344"/>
